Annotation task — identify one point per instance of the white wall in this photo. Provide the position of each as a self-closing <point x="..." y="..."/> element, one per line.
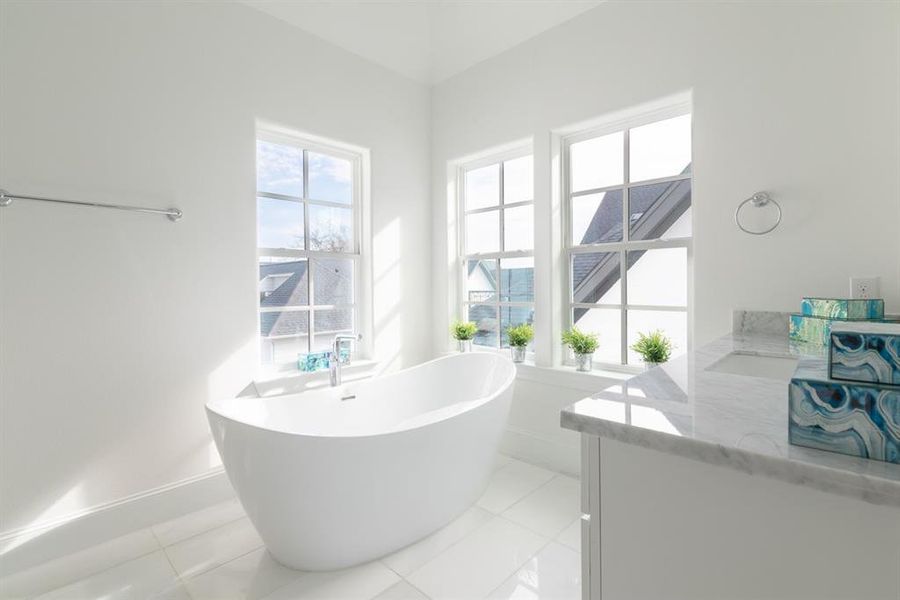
<point x="156" y="104"/>
<point x="533" y="433"/>
<point x="799" y="99"/>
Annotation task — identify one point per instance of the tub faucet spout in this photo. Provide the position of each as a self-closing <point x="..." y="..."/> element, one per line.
<point x="334" y="357"/>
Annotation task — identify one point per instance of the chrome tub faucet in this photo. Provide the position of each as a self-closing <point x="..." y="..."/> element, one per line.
<point x="334" y="357"/>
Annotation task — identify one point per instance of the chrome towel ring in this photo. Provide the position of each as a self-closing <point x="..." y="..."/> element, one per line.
<point x="758" y="200"/>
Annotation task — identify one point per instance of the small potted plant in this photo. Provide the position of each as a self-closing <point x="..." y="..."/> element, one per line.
<point x="583" y="345"/>
<point x="654" y="347"/>
<point x="519" y="338"/>
<point x="464" y="332"/>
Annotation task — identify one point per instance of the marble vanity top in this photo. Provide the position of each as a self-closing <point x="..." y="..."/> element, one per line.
<point x="726" y="419"/>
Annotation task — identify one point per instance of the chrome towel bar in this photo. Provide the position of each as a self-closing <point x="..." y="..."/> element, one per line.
<point x="172" y="213"/>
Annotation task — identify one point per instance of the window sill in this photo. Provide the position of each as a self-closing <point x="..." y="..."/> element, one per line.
<point x="294" y="382"/>
<point x="568" y="377"/>
<point x="562" y="376"/>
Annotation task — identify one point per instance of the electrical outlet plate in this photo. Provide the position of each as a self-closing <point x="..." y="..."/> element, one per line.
<point x="865" y="288"/>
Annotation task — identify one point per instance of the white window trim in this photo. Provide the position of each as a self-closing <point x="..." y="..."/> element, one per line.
<point x="360" y="159"/>
<point x="496" y="156"/>
<point x="569" y="248"/>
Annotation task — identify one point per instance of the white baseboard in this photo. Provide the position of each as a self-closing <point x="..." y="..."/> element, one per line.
<point x="538" y="450"/>
<point x="26" y="547"/>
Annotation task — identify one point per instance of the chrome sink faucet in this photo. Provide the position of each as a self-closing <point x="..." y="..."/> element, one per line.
<point x="334" y="357"/>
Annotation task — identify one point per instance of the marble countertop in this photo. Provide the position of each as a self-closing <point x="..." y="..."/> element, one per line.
<point x="735" y="421"/>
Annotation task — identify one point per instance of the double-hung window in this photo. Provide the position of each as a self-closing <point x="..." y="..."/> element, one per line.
<point x="308" y="199"/>
<point x="497" y="258"/>
<point x="628" y="200"/>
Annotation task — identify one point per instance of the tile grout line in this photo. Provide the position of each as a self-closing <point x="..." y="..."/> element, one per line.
<point x="90" y="574"/>
<point x="178" y="578"/>
<point x="457" y="542"/>
<point x="214" y="567"/>
<point x="497" y="515"/>
<point x="280" y="587"/>
<point x="413" y="586"/>
<point x="519" y="568"/>
<point x="404" y="579"/>
<point x="529" y="494"/>
<point x="199" y="533"/>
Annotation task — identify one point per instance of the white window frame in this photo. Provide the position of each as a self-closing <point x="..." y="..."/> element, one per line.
<point x="358" y="160"/>
<point x="622" y="247"/>
<point x="463" y="257"/>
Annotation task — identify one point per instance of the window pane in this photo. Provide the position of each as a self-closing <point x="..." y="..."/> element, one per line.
<point x="595" y="278"/>
<point x="518" y="180"/>
<point x="283" y="282"/>
<point x="660" y="149"/>
<point x="483" y="232"/>
<point x="658" y="277"/>
<point x="330" y="178"/>
<point x="598" y="162"/>
<point x="517" y="279"/>
<point x="329" y="323"/>
<point x="597" y="218"/>
<point x="671" y="323"/>
<point x="279" y="169"/>
<point x="330" y="229"/>
<point x="511" y="316"/>
<point x="658" y="210"/>
<point x="481" y="280"/>
<point x="485" y="317"/>
<point x="283" y="335"/>
<point x="608" y="324"/>
<point x="279" y="223"/>
<point x="483" y="187"/>
<point x="518" y="225"/>
<point x="333" y="280"/>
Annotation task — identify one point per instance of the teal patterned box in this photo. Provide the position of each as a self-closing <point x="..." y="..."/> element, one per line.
<point x="859" y="419"/>
<point x="814" y="330"/>
<point x="817" y="330"/>
<point x="318" y="361"/>
<point x="842" y="308"/>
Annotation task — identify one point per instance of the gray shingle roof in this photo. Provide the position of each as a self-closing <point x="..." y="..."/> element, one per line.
<point x="652" y="209"/>
<point x="333" y="285"/>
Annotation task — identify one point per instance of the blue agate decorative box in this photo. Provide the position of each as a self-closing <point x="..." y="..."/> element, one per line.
<point x="318" y="361"/>
<point x="858" y="419"/>
<point x="865" y="352"/>
<point x="843" y="308"/>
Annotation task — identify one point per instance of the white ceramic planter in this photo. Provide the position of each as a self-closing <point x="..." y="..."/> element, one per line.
<point x="584" y="362"/>
<point x="518" y="353"/>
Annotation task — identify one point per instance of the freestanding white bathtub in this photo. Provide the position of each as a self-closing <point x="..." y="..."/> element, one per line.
<point x="331" y="483"/>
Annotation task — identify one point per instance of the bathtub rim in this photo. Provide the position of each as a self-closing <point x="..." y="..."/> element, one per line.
<point x="477" y="403"/>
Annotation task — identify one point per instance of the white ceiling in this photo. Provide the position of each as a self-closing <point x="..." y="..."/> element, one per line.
<point x="426" y="40"/>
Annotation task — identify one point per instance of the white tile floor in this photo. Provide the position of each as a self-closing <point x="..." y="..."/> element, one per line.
<point x="521" y="540"/>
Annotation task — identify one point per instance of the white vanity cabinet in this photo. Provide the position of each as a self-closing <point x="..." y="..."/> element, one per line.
<point x="690" y="490"/>
<point x="664" y="527"/>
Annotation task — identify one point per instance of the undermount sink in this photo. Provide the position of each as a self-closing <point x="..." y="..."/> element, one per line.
<point x="754" y="365"/>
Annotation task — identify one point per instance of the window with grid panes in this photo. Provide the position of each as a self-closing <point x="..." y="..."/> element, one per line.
<point x="308" y="200"/>
<point x="497" y="209"/>
<point x="628" y="199"/>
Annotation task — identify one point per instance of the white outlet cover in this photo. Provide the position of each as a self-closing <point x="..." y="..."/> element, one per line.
<point x="865" y="288"/>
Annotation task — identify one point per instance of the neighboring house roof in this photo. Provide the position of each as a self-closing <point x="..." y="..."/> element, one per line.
<point x="334" y="285"/>
<point x="653" y="209"/>
<point x="516" y="284"/>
